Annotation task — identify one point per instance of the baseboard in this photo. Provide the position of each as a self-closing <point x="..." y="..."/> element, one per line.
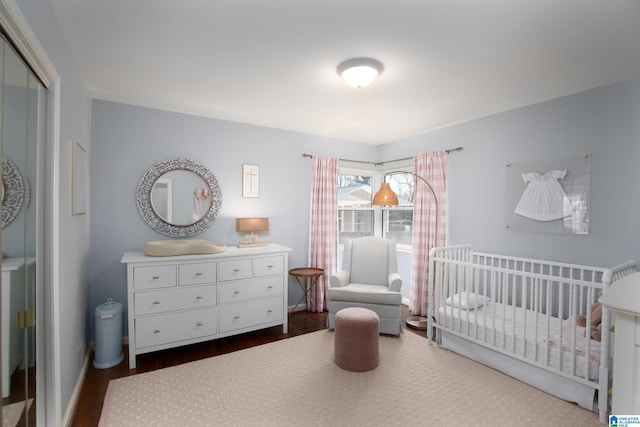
<point x="73" y="402"/>
<point x="92" y="344"/>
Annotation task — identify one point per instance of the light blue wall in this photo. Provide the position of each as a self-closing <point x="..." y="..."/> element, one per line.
<point x="127" y="140"/>
<point x="603" y="123"/>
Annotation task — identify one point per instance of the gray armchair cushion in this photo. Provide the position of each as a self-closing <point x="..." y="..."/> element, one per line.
<point x="370" y="260"/>
<point x="361" y="293"/>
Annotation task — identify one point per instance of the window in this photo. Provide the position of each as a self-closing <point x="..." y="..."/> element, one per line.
<point x="357" y="217"/>
<point x="397" y="221"/>
<point x="355" y="212"/>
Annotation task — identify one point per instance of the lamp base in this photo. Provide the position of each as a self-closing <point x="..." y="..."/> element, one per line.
<point x="251" y="241"/>
<point x="417" y="322"/>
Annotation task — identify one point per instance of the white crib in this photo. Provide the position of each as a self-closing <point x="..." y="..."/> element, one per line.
<point x="518" y="316"/>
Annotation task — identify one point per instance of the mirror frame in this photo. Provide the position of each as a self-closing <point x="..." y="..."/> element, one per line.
<point x="148" y="180"/>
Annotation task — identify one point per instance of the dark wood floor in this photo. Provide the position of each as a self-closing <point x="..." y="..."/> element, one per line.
<point x="95" y="384"/>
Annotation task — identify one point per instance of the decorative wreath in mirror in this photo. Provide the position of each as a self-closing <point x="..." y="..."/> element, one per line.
<point x="14" y="191"/>
<point x="179" y="197"/>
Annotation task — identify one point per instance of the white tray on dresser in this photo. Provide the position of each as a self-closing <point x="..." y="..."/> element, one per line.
<point x="180" y="300"/>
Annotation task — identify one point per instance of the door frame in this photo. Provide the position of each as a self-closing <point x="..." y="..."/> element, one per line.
<point x="17" y="29"/>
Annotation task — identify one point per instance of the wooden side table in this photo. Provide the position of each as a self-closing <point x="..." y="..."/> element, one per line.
<point x="307" y="278"/>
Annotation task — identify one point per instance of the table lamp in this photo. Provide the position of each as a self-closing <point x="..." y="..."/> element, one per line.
<point x="251" y="225"/>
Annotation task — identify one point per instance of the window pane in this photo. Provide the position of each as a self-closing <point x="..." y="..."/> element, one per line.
<point x="398" y="221"/>
<point x="402" y="184"/>
<point x="354" y="191"/>
<point x="399" y="225"/>
<point x="355" y="223"/>
<point x="355" y="213"/>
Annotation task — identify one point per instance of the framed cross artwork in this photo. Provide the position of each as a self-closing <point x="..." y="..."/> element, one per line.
<point x="251" y="181"/>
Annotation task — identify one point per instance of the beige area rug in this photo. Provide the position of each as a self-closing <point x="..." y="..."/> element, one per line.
<point x="295" y="382"/>
<point x="11" y="413"/>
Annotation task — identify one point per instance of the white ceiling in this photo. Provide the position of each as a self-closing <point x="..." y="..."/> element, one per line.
<point x="273" y="62"/>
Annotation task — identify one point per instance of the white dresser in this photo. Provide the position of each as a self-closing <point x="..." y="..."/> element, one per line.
<point x="623" y="297"/>
<point x="179" y="300"/>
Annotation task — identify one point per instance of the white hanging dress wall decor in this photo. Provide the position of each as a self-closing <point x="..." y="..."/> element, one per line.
<point x="549" y="195"/>
<point x="544" y="198"/>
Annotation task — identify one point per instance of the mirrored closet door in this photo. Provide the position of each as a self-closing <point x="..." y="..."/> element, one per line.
<point x="22" y="104"/>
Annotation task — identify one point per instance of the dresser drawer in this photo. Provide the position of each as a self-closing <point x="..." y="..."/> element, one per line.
<point x="157" y="276"/>
<point x="175" y="327"/>
<point x="268" y="266"/>
<point x="235" y="269"/>
<point x="197" y="274"/>
<point x="249" y="289"/>
<point x="174" y="299"/>
<point x="251" y="313"/>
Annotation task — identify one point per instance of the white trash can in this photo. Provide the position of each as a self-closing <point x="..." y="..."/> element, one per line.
<point x="108" y="351"/>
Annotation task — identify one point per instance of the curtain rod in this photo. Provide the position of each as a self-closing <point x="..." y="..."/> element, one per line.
<point x="382" y="163"/>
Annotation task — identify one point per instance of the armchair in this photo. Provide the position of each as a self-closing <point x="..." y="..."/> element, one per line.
<point x="368" y="279"/>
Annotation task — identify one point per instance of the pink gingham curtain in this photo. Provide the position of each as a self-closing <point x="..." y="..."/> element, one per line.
<point x="324" y="224"/>
<point x="432" y="167"/>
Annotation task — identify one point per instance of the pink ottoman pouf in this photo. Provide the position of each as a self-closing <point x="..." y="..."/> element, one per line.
<point x="356" y="339"/>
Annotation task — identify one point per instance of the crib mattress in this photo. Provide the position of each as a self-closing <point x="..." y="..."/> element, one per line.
<point x="541" y="339"/>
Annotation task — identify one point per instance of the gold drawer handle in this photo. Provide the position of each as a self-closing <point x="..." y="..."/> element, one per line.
<point x="269" y="311"/>
<point x="198" y="274"/>
<point x="199" y="324"/>
<point x="157" y="331"/>
<point x="156" y="303"/>
<point x="269" y="266"/>
<point x="236" y="292"/>
<point x="236" y="270"/>
<point x="236" y="317"/>
<point x="270" y="287"/>
<point x="198" y="298"/>
<point x="155" y="278"/>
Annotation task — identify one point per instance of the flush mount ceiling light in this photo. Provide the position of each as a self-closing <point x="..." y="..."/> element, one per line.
<point x="360" y="72"/>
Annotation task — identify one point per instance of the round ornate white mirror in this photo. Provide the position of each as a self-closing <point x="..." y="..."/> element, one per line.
<point x="179" y="197"/>
<point x="15" y="191"/>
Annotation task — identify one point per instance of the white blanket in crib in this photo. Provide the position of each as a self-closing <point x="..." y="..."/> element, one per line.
<point x="525" y="333"/>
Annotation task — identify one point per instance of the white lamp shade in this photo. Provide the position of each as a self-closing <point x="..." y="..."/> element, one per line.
<point x="360" y="72"/>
